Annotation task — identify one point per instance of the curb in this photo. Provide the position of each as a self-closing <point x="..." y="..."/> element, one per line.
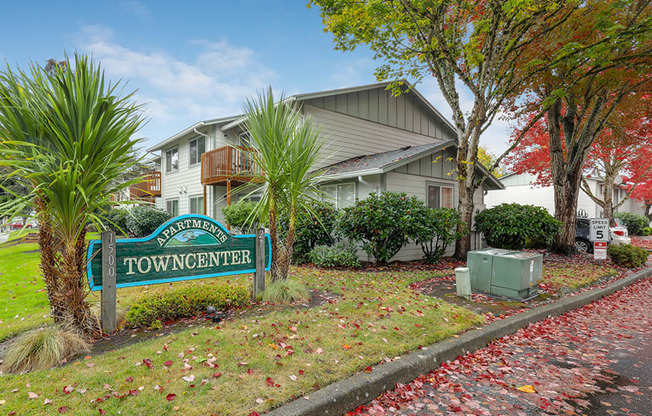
<point x="345" y="395"/>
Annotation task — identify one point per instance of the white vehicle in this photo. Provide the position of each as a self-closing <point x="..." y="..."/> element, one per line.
<point x="619" y="234"/>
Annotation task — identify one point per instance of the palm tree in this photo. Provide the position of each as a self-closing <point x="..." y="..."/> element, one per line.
<point x="67" y="135"/>
<point x="286" y="147"/>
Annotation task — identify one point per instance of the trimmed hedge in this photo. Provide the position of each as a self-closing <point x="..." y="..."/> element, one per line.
<point x="627" y="255"/>
<point x="153" y="310"/>
<point x="515" y="226"/>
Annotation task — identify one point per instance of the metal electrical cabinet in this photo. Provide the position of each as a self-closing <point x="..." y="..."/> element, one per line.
<point x="480" y="264"/>
<point x="501" y="272"/>
<point x="516" y="275"/>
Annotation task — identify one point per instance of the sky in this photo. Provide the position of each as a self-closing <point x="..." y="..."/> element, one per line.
<point x="198" y="60"/>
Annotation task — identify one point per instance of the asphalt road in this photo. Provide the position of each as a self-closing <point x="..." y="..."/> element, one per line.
<point x="596" y="360"/>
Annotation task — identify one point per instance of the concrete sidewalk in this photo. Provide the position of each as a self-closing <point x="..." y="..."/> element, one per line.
<point x="4" y="237"/>
<point x="345" y="395"/>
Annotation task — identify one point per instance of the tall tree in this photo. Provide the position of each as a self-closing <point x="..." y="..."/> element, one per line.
<point x="607" y="50"/>
<point x="68" y="136"/>
<point x="469" y="47"/>
<point x="622" y="150"/>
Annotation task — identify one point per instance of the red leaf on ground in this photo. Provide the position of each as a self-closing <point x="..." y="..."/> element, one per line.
<point x="167" y="363"/>
<point x="171" y="397"/>
<point x="216" y="375"/>
<point x="63" y="409"/>
<point x="250" y="371"/>
<point x="129" y="379"/>
<point x="368" y="369"/>
<point x="102" y="412"/>
<point x="147" y="362"/>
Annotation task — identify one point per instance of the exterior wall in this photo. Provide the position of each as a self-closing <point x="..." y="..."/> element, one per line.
<point x="518" y="190"/>
<point x="347" y="136"/>
<point x="405" y="112"/>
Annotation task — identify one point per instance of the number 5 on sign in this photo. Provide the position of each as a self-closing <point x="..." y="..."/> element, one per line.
<point x="599" y="230"/>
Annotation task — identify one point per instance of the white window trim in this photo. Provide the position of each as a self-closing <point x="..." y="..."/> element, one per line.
<point x="168" y="168"/>
<point x="440" y="185"/>
<point x="171" y="200"/>
<point x="190" y="198"/>
<point x="198" y="162"/>
<point x="336" y="199"/>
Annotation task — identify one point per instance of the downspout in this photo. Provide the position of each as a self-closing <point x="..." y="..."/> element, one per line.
<point x="375" y="188"/>
<point x="204" y="186"/>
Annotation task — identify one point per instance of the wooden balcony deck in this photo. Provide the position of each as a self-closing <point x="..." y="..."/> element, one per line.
<point x="148" y="189"/>
<point x="228" y="165"/>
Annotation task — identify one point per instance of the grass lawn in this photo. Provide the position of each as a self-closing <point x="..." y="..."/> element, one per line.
<point x="259" y="359"/>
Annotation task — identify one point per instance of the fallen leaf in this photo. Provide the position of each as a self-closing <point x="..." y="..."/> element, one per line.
<point x="526" y="389"/>
<point x="167" y="363"/>
<point x="47" y="401"/>
<point x="32" y="395"/>
<point x="170" y="397"/>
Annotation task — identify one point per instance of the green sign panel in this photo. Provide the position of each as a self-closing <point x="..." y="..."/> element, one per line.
<point x="184" y="248"/>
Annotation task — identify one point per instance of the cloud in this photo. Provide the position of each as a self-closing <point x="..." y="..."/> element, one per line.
<point x="178" y="93"/>
<point x="136" y="8"/>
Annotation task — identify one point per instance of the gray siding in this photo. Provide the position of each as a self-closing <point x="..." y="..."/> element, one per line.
<point x="406" y="112"/>
<point x="347" y="137"/>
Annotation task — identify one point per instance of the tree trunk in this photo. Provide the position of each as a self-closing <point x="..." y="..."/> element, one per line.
<point x="273" y="236"/>
<point x="465" y="209"/>
<point x="566" y="212"/>
<point x="288" y="250"/>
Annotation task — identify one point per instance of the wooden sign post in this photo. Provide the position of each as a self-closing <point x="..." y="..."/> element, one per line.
<point x="108" y="297"/>
<point x="259" y="276"/>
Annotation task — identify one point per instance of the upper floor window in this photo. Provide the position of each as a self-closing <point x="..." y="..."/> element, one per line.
<point x="197" y="148"/>
<point x="440" y="196"/>
<point x="343" y="195"/>
<point x="172" y="159"/>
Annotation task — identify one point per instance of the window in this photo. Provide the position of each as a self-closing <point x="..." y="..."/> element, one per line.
<point x="343" y="195"/>
<point x="197" y="148"/>
<point x="197" y="205"/>
<point x="172" y="160"/>
<point x="172" y="206"/>
<point x="440" y="196"/>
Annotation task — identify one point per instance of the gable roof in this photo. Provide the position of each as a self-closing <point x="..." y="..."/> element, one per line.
<point x="190" y="129"/>
<point x="386" y="161"/>
<point x="407" y="88"/>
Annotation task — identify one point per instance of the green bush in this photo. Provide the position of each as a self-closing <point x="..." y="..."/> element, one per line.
<point x="116" y="220"/>
<point x="186" y="302"/>
<point x="340" y="255"/>
<point x="515" y="226"/>
<point x="627" y="255"/>
<point x="435" y="230"/>
<point x="634" y="222"/>
<point x="384" y="223"/>
<point x="316" y="228"/>
<point x="646" y="231"/>
<point x="241" y="216"/>
<point x="143" y="220"/>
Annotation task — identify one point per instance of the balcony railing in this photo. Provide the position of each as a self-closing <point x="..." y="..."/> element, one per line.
<point x="220" y="165"/>
<point x="148" y="189"/>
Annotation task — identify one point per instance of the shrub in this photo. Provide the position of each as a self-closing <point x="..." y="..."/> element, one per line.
<point x="634" y="222"/>
<point x="340" y="255"/>
<point x="384" y="223"/>
<point x="185" y="303"/>
<point x="116" y="220"/>
<point x="435" y="230"/>
<point x="286" y="291"/>
<point x="646" y="231"/>
<point x="41" y="349"/>
<point x="143" y="220"/>
<point x="241" y="216"/>
<point x="315" y="228"/>
<point x="515" y="226"/>
<point x="626" y="255"/>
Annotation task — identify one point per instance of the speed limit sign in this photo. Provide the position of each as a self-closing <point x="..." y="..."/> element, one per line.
<point x="599" y="230"/>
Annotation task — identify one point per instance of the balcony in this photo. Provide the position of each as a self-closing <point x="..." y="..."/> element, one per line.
<point x="228" y="166"/>
<point x="148" y="189"/>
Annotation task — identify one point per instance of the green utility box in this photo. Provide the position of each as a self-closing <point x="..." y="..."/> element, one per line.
<point x="516" y="274"/>
<point x="480" y="264"/>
